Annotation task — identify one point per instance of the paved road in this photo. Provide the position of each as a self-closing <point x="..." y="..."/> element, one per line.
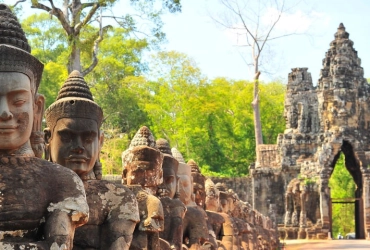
<point x="327" y="244"/>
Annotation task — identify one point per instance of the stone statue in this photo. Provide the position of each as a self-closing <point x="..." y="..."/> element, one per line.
<point x="241" y="223"/>
<point x="185" y="183"/>
<point x="230" y="229"/>
<point x="174" y="209"/>
<point x="74" y="140"/>
<point x="142" y="173"/>
<point x="41" y="202"/>
<point x="215" y="220"/>
<point x="200" y="199"/>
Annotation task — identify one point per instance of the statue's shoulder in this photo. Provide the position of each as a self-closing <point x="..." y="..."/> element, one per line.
<point x="57" y="175"/>
<point x="215" y="217"/>
<point x="120" y="200"/>
<point x="112" y="191"/>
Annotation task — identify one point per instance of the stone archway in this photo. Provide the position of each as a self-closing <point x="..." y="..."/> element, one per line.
<point x="321" y="122"/>
<point x="353" y="167"/>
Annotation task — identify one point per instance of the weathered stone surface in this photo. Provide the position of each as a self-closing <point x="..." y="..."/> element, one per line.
<point x="321" y="122"/>
<point x="41" y="203"/>
<point x="174" y="209"/>
<point x="74" y="140"/>
<point x="142" y="173"/>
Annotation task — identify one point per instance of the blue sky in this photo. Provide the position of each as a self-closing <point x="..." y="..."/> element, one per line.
<point x="214" y="48"/>
<point x="194" y="33"/>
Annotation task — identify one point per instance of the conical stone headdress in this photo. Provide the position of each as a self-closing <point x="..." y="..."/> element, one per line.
<point x="177" y="155"/>
<point x="74" y="101"/>
<point x="14" y="48"/>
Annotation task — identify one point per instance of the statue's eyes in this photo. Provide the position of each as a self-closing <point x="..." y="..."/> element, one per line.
<point x="65" y="136"/>
<point x="19" y="102"/>
<point x="89" y="137"/>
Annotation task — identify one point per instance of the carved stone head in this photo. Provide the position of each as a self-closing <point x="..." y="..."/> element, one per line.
<point x="20" y="75"/>
<point x="170" y="167"/>
<point x="142" y="161"/>
<point x="73" y="128"/>
<point x="185" y="179"/>
<point x="198" y="184"/>
<point x="212" y="196"/>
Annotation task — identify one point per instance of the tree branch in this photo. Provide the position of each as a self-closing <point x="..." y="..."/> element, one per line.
<point x="272" y="27"/>
<point x="89" y="15"/>
<point x="55" y="12"/>
<point x="19" y="1"/>
<point x="100" y="36"/>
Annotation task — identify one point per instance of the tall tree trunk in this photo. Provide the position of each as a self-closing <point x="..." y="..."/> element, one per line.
<point x="74" y="62"/>
<point x="256" y="113"/>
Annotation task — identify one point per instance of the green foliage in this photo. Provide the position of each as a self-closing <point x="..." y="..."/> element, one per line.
<point x="116" y="82"/>
<point x="209" y="121"/>
<point x="49" y="46"/>
<point x="110" y="155"/>
<point x="342" y="186"/>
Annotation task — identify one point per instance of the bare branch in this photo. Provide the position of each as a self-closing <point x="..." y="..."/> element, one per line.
<point x="273" y="26"/>
<point x="89" y="15"/>
<point x="100" y="36"/>
<point x="55" y="12"/>
<point x="19" y="1"/>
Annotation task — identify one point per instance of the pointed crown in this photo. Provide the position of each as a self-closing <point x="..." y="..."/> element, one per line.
<point x="194" y="166"/>
<point x="164" y="146"/>
<point x="143" y="137"/>
<point x="177" y="155"/>
<point x="14" y="48"/>
<point x="74" y="101"/>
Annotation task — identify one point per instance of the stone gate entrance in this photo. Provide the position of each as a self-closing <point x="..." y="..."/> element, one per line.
<point x="357" y="202"/>
<point x="321" y="122"/>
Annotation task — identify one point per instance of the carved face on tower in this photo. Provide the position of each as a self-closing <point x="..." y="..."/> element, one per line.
<point x="73" y="132"/>
<point x="142" y="161"/>
<point x="170" y="167"/>
<point x="20" y="75"/>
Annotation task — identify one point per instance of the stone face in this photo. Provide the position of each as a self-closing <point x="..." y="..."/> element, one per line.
<point x="142" y="173"/>
<point x="74" y="140"/>
<point x="174" y="210"/>
<point x="37" y="196"/>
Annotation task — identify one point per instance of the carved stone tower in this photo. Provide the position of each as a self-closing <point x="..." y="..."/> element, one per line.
<point x="321" y="122"/>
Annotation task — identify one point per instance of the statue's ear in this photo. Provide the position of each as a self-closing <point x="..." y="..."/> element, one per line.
<point x="101" y="139"/>
<point x="47" y="135"/>
<point x="39" y="104"/>
<point x="38" y="112"/>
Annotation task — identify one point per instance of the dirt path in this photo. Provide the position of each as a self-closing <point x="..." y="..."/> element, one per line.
<point x="326" y="244"/>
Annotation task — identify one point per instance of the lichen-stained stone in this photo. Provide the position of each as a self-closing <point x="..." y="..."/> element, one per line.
<point x="41" y="203"/>
<point x="322" y="122"/>
<point x="142" y="173"/>
<point x="74" y="140"/>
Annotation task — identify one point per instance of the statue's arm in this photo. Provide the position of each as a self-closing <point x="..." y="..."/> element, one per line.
<point x="59" y="230"/>
<point x="119" y="228"/>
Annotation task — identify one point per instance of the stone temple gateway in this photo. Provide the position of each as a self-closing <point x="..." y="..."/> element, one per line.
<point x="321" y="122"/>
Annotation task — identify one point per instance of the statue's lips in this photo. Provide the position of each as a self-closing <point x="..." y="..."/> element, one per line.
<point x="77" y="158"/>
<point x="8" y="128"/>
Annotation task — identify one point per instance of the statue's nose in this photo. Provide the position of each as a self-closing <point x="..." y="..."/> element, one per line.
<point x="78" y="146"/>
<point x="5" y="113"/>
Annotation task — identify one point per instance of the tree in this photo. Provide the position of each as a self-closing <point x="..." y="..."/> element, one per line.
<point x="76" y="17"/>
<point x="246" y="19"/>
<point x="342" y="186"/>
<point x="49" y="46"/>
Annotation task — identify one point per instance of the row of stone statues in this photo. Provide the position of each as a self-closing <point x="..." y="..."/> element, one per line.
<point x="63" y="203"/>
